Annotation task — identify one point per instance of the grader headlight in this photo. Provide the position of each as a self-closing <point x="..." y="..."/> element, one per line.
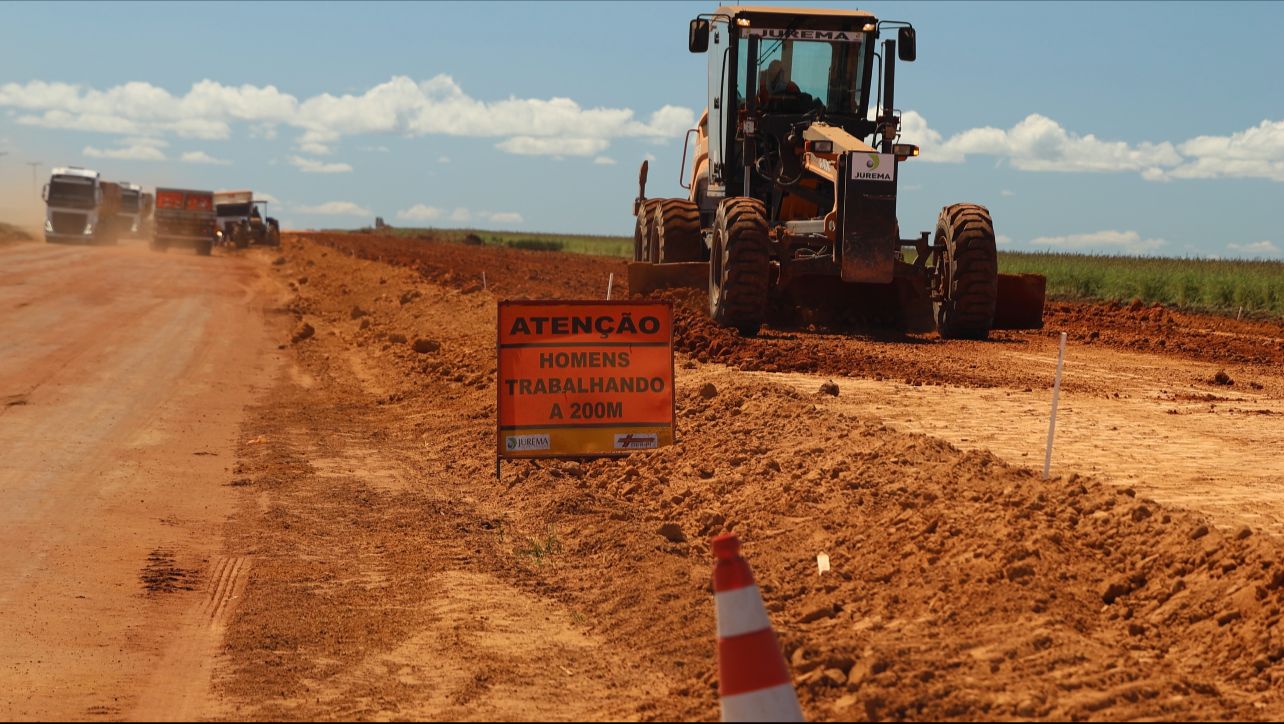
<point x="904" y="151"/>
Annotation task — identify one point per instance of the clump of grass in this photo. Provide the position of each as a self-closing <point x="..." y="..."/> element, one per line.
<point x="535" y="244"/>
<point x="538" y="549"/>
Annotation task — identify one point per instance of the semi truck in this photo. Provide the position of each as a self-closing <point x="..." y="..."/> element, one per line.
<point x="79" y="207"/>
<point x="129" y="215"/>
<point x="184" y="217"/>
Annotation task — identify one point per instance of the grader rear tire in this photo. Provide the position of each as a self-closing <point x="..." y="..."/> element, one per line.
<point x="740" y="265"/>
<point x="642" y="235"/>
<point x="677" y="230"/>
<point x="966" y="277"/>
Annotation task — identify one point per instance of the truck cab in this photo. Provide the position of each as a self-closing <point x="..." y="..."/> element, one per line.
<point x="129" y="216"/>
<point x="72" y="200"/>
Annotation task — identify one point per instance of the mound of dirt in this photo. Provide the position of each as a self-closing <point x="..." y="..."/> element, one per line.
<point x="960" y="587"/>
<point x="854" y="351"/>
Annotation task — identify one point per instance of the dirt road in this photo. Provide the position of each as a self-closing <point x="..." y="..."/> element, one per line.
<point x="123" y="378"/>
<point x="351" y="554"/>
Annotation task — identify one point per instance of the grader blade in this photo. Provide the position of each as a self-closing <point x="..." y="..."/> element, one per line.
<point x="645" y="277"/>
<point x="1019" y="304"/>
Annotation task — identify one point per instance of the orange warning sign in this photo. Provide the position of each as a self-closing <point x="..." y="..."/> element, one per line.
<point x="584" y="378"/>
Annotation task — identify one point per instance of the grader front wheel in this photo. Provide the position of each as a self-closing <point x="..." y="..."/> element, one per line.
<point x="740" y="265"/>
<point x="965" y="278"/>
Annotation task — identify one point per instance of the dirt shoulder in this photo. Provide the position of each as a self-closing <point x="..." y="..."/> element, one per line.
<point x="962" y="586"/>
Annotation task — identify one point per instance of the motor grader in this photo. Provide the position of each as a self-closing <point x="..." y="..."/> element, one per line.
<point x="793" y="187"/>
<point x="243" y="220"/>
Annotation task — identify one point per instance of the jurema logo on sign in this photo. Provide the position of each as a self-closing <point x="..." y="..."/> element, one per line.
<point x="872" y="167"/>
<point x="519" y="443"/>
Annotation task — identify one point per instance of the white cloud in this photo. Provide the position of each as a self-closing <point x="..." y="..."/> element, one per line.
<point x="1109" y="241"/>
<point x="316" y="149"/>
<point x="505" y="217"/>
<point x="1003" y="240"/>
<point x="560" y="126"/>
<point x="420" y="212"/>
<point x="266" y="131"/>
<point x="423" y="212"/>
<point x="203" y="157"/>
<point x="401" y="105"/>
<point x="443" y="159"/>
<point x="1007" y="193"/>
<point x="530" y="146"/>
<point x="1039" y="143"/>
<point x="334" y="208"/>
<point x="310" y="165"/>
<point x="135" y="149"/>
<point x="1256" y="152"/>
<point x="1258" y="248"/>
<point x="604" y="161"/>
<point x="373" y="149"/>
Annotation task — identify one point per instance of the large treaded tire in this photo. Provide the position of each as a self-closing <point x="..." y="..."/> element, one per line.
<point x="740" y="265"/>
<point x="642" y="235"/>
<point x="967" y="272"/>
<point x="677" y="230"/>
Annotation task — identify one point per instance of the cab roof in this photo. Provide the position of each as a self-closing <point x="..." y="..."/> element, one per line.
<point x="74" y="171"/>
<point x="734" y="10"/>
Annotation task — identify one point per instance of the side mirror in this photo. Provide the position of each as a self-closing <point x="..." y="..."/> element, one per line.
<point x="44" y="194"/>
<point x="698" y="39"/>
<point x="907" y="46"/>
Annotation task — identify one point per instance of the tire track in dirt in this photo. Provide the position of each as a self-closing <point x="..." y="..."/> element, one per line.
<point x="180" y="689"/>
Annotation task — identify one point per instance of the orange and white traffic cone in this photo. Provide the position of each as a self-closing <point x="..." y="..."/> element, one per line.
<point x="753" y="679"/>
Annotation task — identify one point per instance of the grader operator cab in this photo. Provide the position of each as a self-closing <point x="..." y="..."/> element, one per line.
<point x="793" y="187"/>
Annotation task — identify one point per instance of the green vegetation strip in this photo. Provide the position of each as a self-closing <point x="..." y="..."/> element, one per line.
<point x="618" y="246"/>
<point x="1210" y="285"/>
<point x="1207" y="285"/>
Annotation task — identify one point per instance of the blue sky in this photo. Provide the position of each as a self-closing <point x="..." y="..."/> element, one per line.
<point x="1148" y="127"/>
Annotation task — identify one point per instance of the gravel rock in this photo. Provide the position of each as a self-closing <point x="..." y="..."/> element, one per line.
<point x="815" y="614"/>
<point x="1114" y="590"/>
<point x="305" y="331"/>
<point x="672" y="532"/>
<point x="424" y="346"/>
